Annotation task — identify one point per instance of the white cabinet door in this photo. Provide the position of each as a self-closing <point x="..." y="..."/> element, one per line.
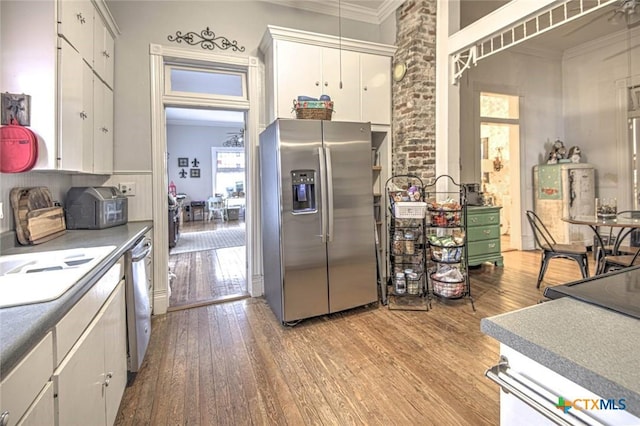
<point x="102" y="129"/>
<point x="73" y="114"/>
<point x="115" y="355"/>
<point x="41" y="412"/>
<point x="76" y="25"/>
<point x="375" y="80"/>
<point x="90" y="380"/>
<point x="298" y="72"/>
<point x="103" y="52"/>
<point x="22" y="386"/>
<point x="88" y="120"/>
<point x="346" y="99"/>
<point x="79" y="380"/>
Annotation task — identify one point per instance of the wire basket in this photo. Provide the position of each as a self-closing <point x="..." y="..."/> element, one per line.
<point x="446" y="254"/>
<point x="448" y="289"/>
<point x="409" y="209"/>
<point x="312" y="110"/>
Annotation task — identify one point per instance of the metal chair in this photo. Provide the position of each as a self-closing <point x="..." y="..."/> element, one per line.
<point x="216" y="206"/>
<point x="551" y="249"/>
<point x="624" y="253"/>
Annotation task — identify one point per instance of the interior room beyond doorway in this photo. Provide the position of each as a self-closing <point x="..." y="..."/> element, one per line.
<point x="500" y="165"/>
<point x="206" y="170"/>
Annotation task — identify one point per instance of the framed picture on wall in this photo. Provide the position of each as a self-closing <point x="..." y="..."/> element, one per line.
<point x="183" y="162"/>
<point x="195" y="173"/>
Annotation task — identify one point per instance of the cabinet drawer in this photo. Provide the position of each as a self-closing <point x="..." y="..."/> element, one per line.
<point x="490" y="232"/>
<point x="71" y="326"/>
<point x="22" y="386"/>
<point x="484" y="247"/>
<point x="483" y="219"/>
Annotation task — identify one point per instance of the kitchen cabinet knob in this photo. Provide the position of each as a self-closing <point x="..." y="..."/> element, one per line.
<point x="317" y="83"/>
<point x="83" y="115"/>
<point x="474" y="219"/>
<point x="487" y="231"/>
<point x="105" y="54"/>
<point x="80" y="18"/>
<point x="4" y="418"/>
<point x="365" y="88"/>
<point x="326" y="84"/>
<point x="104" y="130"/>
<point x="108" y="380"/>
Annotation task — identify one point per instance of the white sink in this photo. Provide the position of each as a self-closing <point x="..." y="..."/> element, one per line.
<point x="45" y="276"/>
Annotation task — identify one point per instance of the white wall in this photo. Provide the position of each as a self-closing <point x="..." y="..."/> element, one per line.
<point x="145" y="22"/>
<point x="591" y="109"/>
<point x="537" y="78"/>
<point x="194" y="142"/>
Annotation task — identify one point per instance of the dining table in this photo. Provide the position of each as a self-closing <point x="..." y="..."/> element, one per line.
<point x="623" y="223"/>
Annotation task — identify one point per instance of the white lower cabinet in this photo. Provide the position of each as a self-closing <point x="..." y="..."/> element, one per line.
<point x="530" y="394"/>
<point x="90" y="381"/>
<point x="24" y="394"/>
<point x="41" y="411"/>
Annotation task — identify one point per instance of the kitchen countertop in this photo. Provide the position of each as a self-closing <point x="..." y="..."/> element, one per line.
<point x="22" y="327"/>
<point x="593" y="347"/>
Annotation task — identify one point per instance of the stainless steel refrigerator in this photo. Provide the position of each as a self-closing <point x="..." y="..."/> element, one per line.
<point x="317" y="217"/>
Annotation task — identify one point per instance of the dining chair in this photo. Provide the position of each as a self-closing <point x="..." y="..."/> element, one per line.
<point x="626" y="255"/>
<point x="612" y="238"/>
<point x="216" y="206"/>
<point x="551" y="249"/>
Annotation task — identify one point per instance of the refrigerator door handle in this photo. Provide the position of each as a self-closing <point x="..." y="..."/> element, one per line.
<point x="329" y="194"/>
<point x="323" y="195"/>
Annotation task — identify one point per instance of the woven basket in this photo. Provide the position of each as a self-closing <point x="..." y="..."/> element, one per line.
<point x="320" y="110"/>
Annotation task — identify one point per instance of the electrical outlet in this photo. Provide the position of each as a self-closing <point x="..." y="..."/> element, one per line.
<point x="128" y="188"/>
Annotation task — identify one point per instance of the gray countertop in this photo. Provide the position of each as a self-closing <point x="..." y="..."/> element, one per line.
<point x="22" y="327"/>
<point x="594" y="347"/>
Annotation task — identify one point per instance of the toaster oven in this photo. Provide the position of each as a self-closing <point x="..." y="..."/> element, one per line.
<point x="96" y="207"/>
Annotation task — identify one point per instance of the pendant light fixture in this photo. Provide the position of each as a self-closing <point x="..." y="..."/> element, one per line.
<point x="340" y="39"/>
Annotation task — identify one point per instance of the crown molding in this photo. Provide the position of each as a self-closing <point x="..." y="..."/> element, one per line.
<point x="347" y="10"/>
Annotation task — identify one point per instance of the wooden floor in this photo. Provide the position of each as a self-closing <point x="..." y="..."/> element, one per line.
<point x="234" y="364"/>
<point x="208" y="276"/>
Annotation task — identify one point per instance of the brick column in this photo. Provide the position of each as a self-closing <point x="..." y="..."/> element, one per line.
<point x="414" y="149"/>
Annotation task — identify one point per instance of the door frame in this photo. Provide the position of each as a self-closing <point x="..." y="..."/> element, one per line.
<point x="516" y="159"/>
<point x="159" y="56"/>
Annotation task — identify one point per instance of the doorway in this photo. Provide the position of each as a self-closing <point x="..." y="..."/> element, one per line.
<point x="243" y="70"/>
<point x="207" y="259"/>
<point x="499" y="164"/>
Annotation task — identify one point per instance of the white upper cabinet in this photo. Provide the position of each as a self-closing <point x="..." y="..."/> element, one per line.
<point x="294" y="77"/>
<point x="103" y="52"/>
<point x="75" y="111"/>
<point x="355" y="74"/>
<point x="375" y="87"/>
<point x="102" y="159"/>
<point x="68" y="48"/>
<point x="341" y="82"/>
<point x="75" y="24"/>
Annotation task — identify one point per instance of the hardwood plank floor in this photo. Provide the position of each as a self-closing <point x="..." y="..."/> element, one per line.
<point x="208" y="276"/>
<point x="234" y="364"/>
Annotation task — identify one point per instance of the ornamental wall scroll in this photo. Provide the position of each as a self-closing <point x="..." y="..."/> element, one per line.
<point x="206" y="39"/>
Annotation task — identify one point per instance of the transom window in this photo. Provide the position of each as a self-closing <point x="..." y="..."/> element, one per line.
<point x="193" y="81"/>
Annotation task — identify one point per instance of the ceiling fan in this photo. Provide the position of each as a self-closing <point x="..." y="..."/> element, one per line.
<point x="628" y="12"/>
<point x="235" y="140"/>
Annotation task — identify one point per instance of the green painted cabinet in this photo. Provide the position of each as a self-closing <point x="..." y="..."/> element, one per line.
<point x="483" y="235"/>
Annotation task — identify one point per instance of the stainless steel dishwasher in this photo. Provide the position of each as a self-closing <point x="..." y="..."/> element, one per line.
<point x="138" y="301"/>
